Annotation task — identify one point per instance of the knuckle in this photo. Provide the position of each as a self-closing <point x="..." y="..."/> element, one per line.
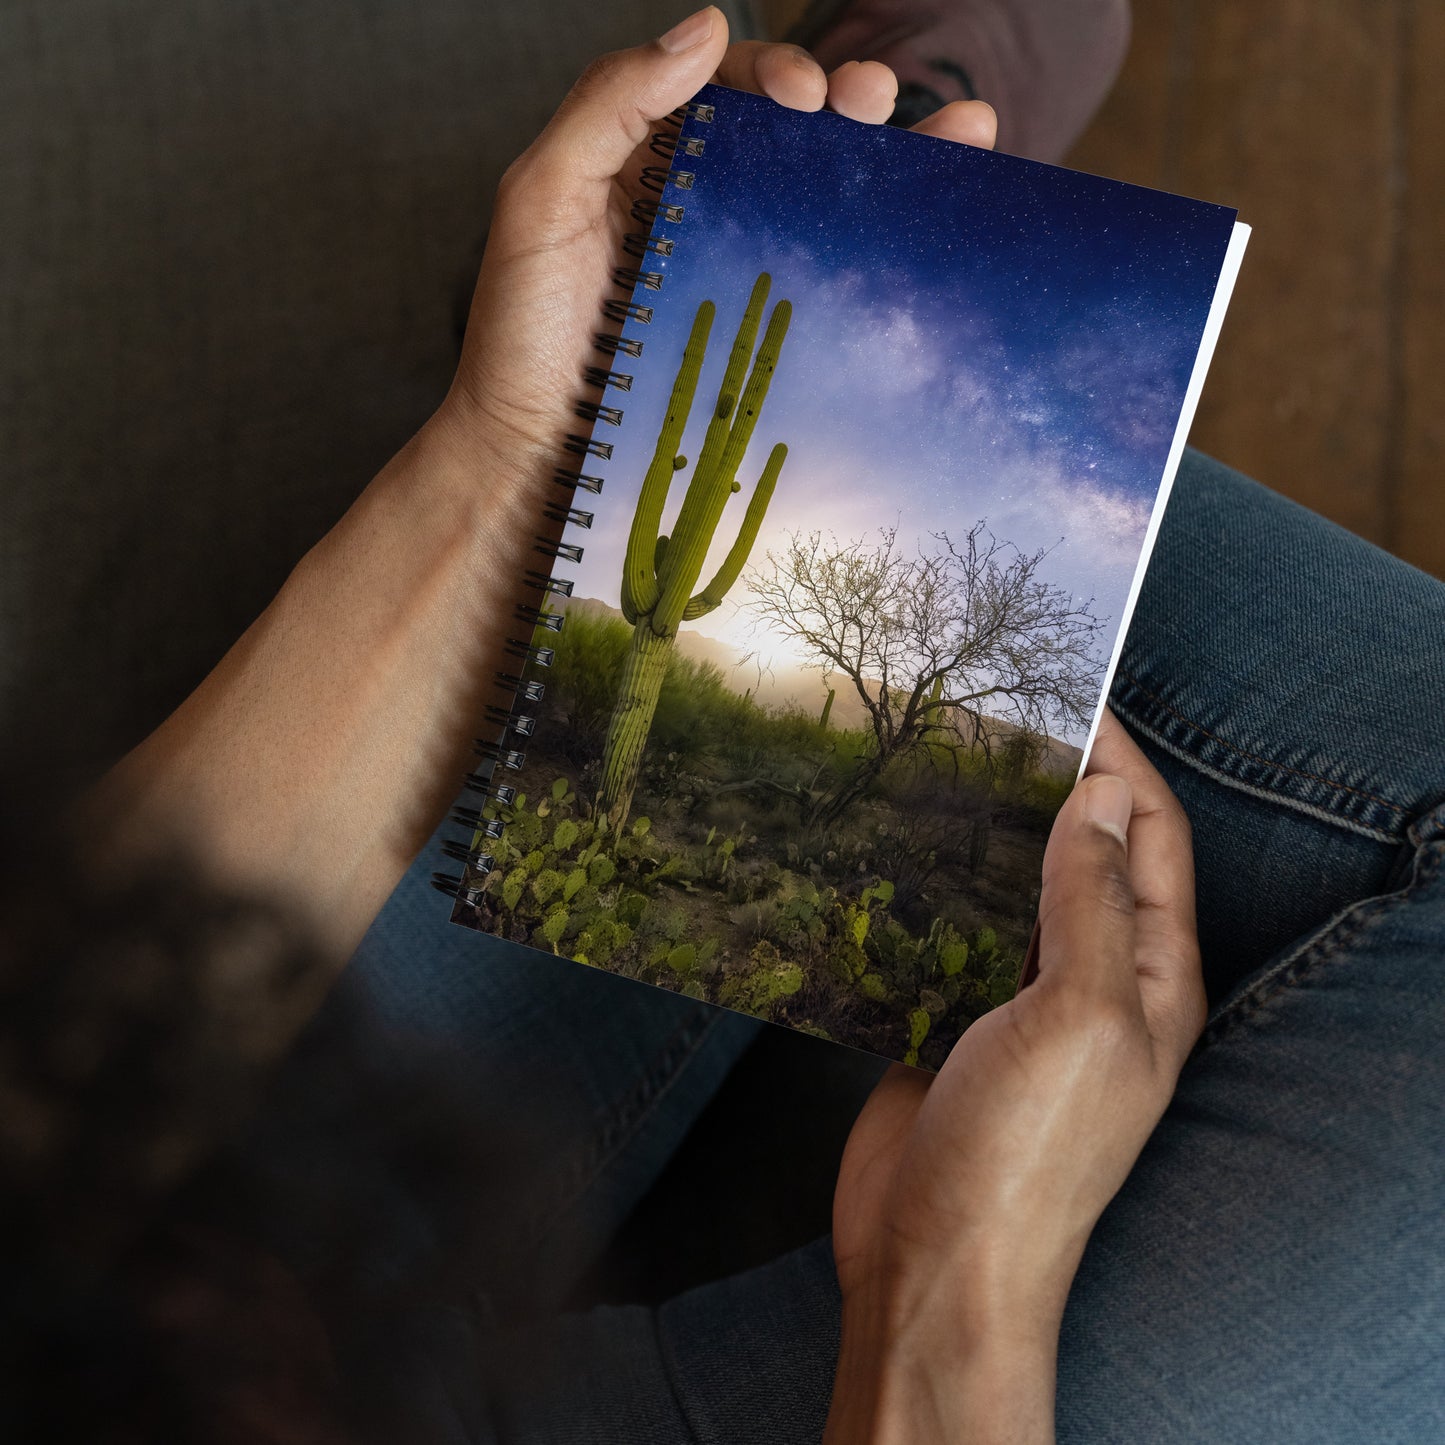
<point x="1185" y="1024"/>
<point x="1112" y="1032"/>
<point x="1112" y="1024"/>
<point x="534" y="200"/>
<point x="600" y="73"/>
<point x="611" y="92"/>
<point x="1099" y="1030"/>
<point x="1170" y="812"/>
<point x="514" y="178"/>
<point x="1103" y="888"/>
<point x="519" y="177"/>
<point x="1113" y="892"/>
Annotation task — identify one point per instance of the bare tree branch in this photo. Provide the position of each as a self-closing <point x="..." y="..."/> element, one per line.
<point x="956" y="634"/>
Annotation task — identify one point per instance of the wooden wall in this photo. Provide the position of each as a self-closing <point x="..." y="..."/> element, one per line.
<point x="1323" y="122"/>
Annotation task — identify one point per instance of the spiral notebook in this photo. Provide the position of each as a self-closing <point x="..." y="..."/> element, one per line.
<point x="866" y="476"/>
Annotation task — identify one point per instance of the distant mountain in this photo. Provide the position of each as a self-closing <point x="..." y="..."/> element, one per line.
<point x="801" y="687"/>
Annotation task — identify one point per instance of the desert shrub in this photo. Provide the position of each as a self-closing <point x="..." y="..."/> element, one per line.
<point x="729" y="812"/>
<point x="790" y="729"/>
<point x="754" y="878"/>
<point x="1038" y="799"/>
<point x="694" y="708"/>
<point x="767" y="982"/>
<point x="1017" y="756"/>
<point x="758" y="919"/>
<point x="930" y="824"/>
<point x="582" y="683"/>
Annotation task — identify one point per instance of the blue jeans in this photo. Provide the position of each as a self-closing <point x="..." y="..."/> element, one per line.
<point x="1274" y="1268"/>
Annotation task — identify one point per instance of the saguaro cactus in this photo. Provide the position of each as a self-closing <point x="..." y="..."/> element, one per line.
<point x="933" y="707"/>
<point x="828" y="707"/>
<point x="659" y="572"/>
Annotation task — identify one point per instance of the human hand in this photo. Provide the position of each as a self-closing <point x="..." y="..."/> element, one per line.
<point x="564" y="207"/>
<point x="965" y="1201"/>
<point x="351" y="703"/>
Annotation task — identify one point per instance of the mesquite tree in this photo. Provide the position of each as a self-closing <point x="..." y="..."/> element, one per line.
<point x="659" y="572"/>
<point x="950" y="637"/>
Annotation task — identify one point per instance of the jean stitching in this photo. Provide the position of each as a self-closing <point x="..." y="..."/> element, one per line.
<point x="627" y="1114"/>
<point x="1252" y="790"/>
<point x="1333" y="937"/>
<point x="1256" y="757"/>
<point x="672" y="1373"/>
<point x="643" y="1098"/>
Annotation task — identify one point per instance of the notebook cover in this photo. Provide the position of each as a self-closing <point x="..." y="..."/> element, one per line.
<point x="881" y="489"/>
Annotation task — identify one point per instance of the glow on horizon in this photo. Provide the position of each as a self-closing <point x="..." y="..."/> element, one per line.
<point x="973" y="338"/>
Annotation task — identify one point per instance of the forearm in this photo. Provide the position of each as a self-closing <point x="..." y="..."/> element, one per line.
<point x="323" y="749"/>
<point x="319" y="754"/>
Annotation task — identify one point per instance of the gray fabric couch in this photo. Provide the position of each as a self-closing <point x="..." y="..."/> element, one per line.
<point x="236" y="237"/>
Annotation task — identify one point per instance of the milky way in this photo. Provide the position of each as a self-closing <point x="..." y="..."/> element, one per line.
<point x="973" y="336"/>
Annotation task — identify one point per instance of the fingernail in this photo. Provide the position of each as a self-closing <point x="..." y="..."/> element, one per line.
<point x="687" y="33"/>
<point x="1108" y="803"/>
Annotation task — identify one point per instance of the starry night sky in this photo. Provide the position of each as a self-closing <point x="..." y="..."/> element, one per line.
<point x="973" y="336"/>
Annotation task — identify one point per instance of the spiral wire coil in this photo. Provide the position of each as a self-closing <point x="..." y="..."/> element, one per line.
<point x="498" y="750"/>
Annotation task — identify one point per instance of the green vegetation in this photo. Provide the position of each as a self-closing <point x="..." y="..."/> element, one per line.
<point x="782" y="944"/>
<point x="936" y="643"/>
<point x="890" y="928"/>
<point x="873" y="883"/>
<point x="660" y="571"/>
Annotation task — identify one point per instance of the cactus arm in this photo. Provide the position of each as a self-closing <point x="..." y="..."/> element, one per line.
<point x="629" y="602"/>
<point x="712" y="595"/>
<point x="639" y="580"/>
<point x="703" y="503"/>
<point x="720" y="426"/>
<point x="756" y="391"/>
<point x="931" y="714"/>
<point x="703" y="507"/>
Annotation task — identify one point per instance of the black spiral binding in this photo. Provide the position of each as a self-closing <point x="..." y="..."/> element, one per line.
<point x="500" y="751"/>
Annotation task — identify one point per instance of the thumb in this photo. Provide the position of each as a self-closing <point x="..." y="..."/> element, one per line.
<point x="617" y="100"/>
<point x="1086" y="909"/>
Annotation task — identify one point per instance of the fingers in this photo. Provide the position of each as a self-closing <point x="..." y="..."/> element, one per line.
<point x="1086" y="909"/>
<point x="1161" y="872"/>
<point x="614" y="106"/>
<point x="970" y="122"/>
<point x="1161" y="862"/>
<point x="786" y="73"/>
<point x="863" y="90"/>
<point x="619" y="98"/>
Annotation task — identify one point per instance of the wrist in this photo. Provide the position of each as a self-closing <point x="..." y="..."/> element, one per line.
<point x="992" y="1282"/>
<point x="960" y="1355"/>
<point x="939" y="1387"/>
<point x="482" y="479"/>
